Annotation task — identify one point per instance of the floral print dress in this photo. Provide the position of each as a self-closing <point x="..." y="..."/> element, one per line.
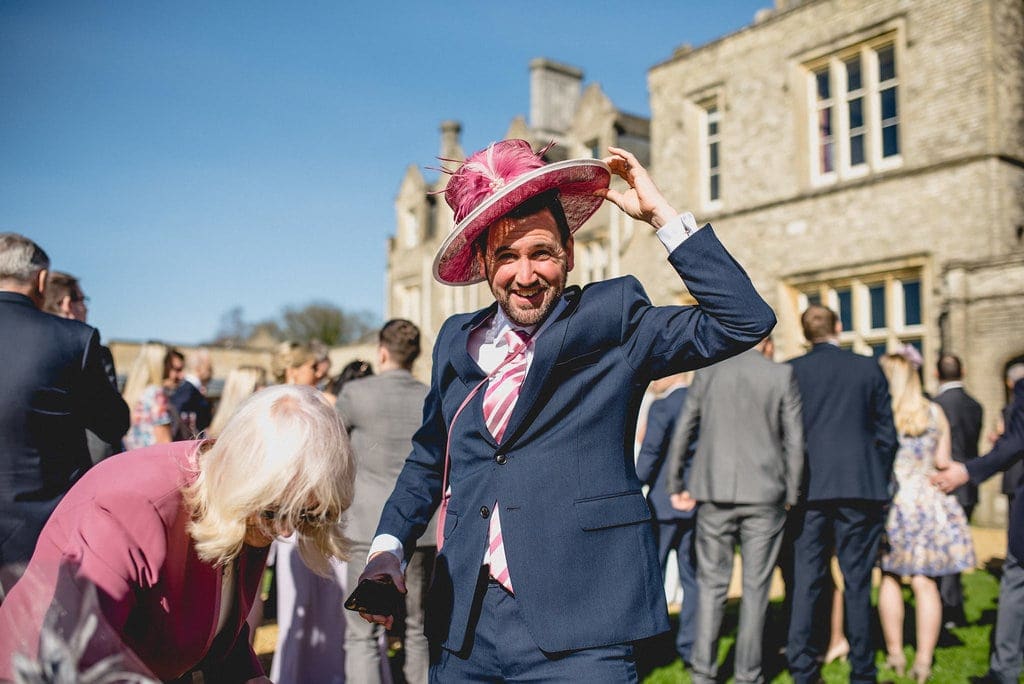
<point x="150" y="410"/>
<point x="926" y="531"/>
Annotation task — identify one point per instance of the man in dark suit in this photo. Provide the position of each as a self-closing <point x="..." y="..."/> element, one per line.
<point x="381" y="412"/>
<point x="1008" y="638"/>
<point x="549" y="569"/>
<point x="52" y="388"/>
<point x="1013" y="477"/>
<point x="64" y="298"/>
<point x="850" y="443"/>
<point x="745" y="474"/>
<point x="672" y="527"/>
<point x="964" y="414"/>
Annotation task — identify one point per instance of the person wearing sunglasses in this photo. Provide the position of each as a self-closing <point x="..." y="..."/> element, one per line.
<point x="169" y="543"/>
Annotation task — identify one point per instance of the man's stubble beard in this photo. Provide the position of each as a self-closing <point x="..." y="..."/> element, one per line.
<point x="530" y="317"/>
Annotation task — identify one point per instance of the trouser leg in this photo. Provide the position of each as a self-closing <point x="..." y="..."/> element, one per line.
<point x="811" y="525"/>
<point x="417" y="581"/>
<point x="1008" y="640"/>
<point x="858" y="530"/>
<point x="760" y="531"/>
<point x="362" y="653"/>
<point x="716" y="537"/>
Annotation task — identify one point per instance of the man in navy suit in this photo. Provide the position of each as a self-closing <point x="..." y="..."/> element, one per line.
<point x="1008" y="639"/>
<point x="53" y="387"/>
<point x="850" y="444"/>
<point x="674" y="528"/>
<point x="965" y="417"/>
<point x="548" y="569"/>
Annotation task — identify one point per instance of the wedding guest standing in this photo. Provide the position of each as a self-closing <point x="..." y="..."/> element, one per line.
<point x="926" y="531"/>
<point x="536" y="395"/>
<point x="850" y="443"/>
<point x="965" y="417"/>
<point x="53" y="387"/>
<point x="310" y="616"/>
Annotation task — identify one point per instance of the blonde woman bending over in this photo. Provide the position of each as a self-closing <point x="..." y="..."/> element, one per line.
<point x="927" y="533"/>
<point x="173" y="539"/>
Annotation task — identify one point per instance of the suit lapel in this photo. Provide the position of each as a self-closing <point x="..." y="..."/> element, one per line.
<point x="545" y="353"/>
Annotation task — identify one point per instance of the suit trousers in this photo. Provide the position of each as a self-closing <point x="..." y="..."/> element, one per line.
<point x="500" y="649"/>
<point x="363" y="660"/>
<point x="856" y="527"/>
<point x="1008" y="639"/>
<point x="951" y="589"/>
<point x="757" y="528"/>
<point x="678" y="535"/>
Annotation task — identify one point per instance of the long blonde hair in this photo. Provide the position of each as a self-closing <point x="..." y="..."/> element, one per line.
<point x="290" y="355"/>
<point x="240" y="383"/>
<point x="146" y="370"/>
<point x="284" y="448"/>
<point x="910" y="408"/>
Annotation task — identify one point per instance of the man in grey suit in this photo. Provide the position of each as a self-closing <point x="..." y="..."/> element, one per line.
<point x="381" y="413"/>
<point x="746" y="472"/>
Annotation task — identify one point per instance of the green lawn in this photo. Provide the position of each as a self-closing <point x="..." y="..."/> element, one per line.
<point x="962" y="652"/>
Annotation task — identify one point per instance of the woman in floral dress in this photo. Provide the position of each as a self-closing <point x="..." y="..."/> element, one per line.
<point x="927" y="533"/>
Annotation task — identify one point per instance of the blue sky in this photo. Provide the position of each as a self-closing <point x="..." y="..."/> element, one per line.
<point x="183" y="158"/>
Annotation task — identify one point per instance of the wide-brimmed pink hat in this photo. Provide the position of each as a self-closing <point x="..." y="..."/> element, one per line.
<point x="496" y="180"/>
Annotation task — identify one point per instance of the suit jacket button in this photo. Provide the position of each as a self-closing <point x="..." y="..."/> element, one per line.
<point x="485" y="512"/>
<point x="501" y="459"/>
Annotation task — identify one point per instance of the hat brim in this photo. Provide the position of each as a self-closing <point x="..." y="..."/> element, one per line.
<point x="576" y="181"/>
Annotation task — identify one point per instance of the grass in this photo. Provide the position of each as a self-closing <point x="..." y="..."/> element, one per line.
<point x="962" y="652"/>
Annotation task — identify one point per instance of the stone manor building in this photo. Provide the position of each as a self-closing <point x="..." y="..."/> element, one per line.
<point x="864" y="154"/>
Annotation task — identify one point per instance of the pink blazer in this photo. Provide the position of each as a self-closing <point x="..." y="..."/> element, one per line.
<point x="122" y="530"/>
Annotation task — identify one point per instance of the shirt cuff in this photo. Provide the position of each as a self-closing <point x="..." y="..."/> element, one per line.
<point x="389" y="543"/>
<point x="675" y="232"/>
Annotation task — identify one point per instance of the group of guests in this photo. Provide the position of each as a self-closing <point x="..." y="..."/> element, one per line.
<point x="150" y="514"/>
<point x="508" y="486"/>
<point x="830" y="455"/>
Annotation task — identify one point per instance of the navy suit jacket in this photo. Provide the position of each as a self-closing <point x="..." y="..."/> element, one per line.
<point x="849" y="436"/>
<point x="1007" y="450"/>
<point x="52" y="387"/>
<point x="964" y="414"/>
<point x="576" y="527"/>
<point x="652" y="464"/>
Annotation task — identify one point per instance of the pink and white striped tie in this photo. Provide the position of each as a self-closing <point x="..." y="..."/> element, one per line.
<point x="499" y="400"/>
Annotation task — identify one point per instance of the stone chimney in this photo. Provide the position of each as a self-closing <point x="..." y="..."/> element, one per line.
<point x="451" y="140"/>
<point x="554" y="95"/>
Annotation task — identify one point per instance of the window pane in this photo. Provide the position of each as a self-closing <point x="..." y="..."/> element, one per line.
<point x="713" y="153"/>
<point x="857" y="112"/>
<point x="825" y="122"/>
<point x="888" y="104"/>
<point x="845" y="308"/>
<point x="714" y="187"/>
<point x="886" y="63"/>
<point x="890" y="141"/>
<point x="856" y="150"/>
<point x="826" y="158"/>
<point x="878" y="349"/>
<point x="821" y="77"/>
<point x="814" y="299"/>
<point x="912" y="302"/>
<point x="853" y="76"/>
<point x="712" y="128"/>
<point x="877" y="295"/>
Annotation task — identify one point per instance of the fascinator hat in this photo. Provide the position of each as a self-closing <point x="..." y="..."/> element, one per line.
<point x="497" y="179"/>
